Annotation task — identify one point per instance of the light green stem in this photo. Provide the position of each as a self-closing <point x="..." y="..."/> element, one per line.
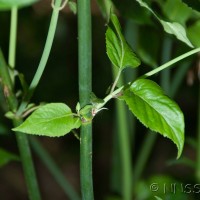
<point x="123" y="135"/>
<point x="13" y="35"/>
<point x="115" y="82"/>
<point x="44" y="58"/>
<point x="154" y="71"/>
<point x="170" y="63"/>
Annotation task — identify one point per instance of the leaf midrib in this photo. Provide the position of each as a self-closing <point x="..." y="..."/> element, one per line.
<point x="53" y="119"/>
<point x="157" y="112"/>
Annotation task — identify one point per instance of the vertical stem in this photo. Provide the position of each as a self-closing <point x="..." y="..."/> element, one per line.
<point x="44" y="58"/>
<point x="165" y="74"/>
<point x="13" y="39"/>
<point x="123" y="135"/>
<point x="54" y="169"/>
<point x="198" y="134"/>
<point x="22" y="139"/>
<point x="27" y="163"/>
<point x="85" y="88"/>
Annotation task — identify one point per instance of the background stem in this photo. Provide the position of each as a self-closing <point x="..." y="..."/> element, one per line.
<point x="124" y="145"/>
<point x="54" y="169"/>
<point x="85" y="88"/>
<point x="13" y="34"/>
<point x="198" y="136"/>
<point x="44" y="58"/>
<point x="22" y="139"/>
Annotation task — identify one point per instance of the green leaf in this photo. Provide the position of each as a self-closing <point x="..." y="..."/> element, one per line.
<point x="8" y="4"/>
<point x="119" y="52"/>
<point x="155" y="110"/>
<point x="53" y="119"/>
<point x="6" y="157"/>
<point x="194" y="4"/>
<point x="73" y="6"/>
<point x="179" y="11"/>
<point x="172" y="28"/>
<point x="158" y="198"/>
<point x="194" y="33"/>
<point x="105" y="6"/>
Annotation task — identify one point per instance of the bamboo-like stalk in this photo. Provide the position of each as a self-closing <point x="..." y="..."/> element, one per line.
<point x="85" y="88"/>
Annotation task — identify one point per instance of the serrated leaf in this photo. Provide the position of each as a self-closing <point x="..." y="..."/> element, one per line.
<point x="155" y="110"/>
<point x="53" y="120"/>
<point x="6" y="157"/>
<point x="119" y="52"/>
<point x="8" y="4"/>
<point x="172" y="28"/>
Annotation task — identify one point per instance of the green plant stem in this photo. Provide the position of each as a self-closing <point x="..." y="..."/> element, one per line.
<point x="143" y="155"/>
<point x="54" y="169"/>
<point x="13" y="37"/>
<point x="171" y="62"/>
<point x="198" y="137"/>
<point x="85" y="88"/>
<point x="178" y="77"/>
<point x="152" y="72"/>
<point x="124" y="143"/>
<point x="22" y="139"/>
<point x="44" y="58"/>
<point x="115" y="82"/>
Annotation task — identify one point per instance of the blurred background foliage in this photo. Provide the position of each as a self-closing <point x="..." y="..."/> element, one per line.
<point x="60" y="84"/>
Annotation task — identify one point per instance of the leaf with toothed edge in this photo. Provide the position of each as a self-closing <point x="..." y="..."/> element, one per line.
<point x="155" y="110"/>
<point x="118" y="50"/>
<point x="53" y="120"/>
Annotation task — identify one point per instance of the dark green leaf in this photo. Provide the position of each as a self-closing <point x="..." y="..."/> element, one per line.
<point x="194" y="4"/>
<point x="6" y="157"/>
<point x="53" y="119"/>
<point x="194" y="33"/>
<point x="8" y="4"/>
<point x="172" y="28"/>
<point x="179" y="11"/>
<point x="155" y="110"/>
<point x="119" y="52"/>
